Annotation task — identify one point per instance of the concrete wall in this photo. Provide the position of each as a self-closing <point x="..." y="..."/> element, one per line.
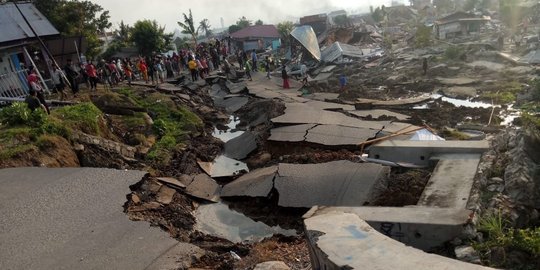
<point x="421" y="227"/>
<point x="420" y="152"/>
<point x="344" y="241"/>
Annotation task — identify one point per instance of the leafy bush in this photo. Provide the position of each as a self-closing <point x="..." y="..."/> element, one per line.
<point x="85" y="117"/>
<point x="16" y="114"/>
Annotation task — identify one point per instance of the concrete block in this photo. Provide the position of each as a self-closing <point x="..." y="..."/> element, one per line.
<point x="420" y="152"/>
<point x="421" y="227"/>
<point x="344" y="241"/>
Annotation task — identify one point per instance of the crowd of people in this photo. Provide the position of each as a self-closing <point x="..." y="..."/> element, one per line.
<point x="154" y="69"/>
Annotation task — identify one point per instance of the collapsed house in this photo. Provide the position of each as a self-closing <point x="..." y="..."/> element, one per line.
<point x="18" y="49"/>
<point x="458" y="24"/>
<point x="257" y="37"/>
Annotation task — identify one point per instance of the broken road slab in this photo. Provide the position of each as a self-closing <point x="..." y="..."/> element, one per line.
<point x="435" y="225"/>
<point x="231" y="104"/>
<point x="350" y="242"/>
<point x="173" y="182"/>
<point x="296" y="133"/>
<point x="337" y="183"/>
<point x="204" y="187"/>
<point x="165" y="195"/>
<point x="457" y="81"/>
<point x="375" y="114"/>
<point x="51" y="219"/>
<point x="334" y="135"/>
<point x="241" y="146"/>
<point x="223" y="166"/>
<point x="460" y="91"/>
<point x="395" y="102"/>
<point x="257" y="183"/>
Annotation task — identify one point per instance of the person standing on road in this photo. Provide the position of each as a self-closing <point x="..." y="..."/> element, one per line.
<point x="343" y="83"/>
<point x="285" y="77"/>
<point x="58" y="81"/>
<point x="192" y="65"/>
<point x="33" y="83"/>
<point x="267" y="67"/>
<point x="425" y="65"/>
<point x="92" y="75"/>
<point x="254" y="60"/>
<point x="248" y="69"/>
<point x="72" y="76"/>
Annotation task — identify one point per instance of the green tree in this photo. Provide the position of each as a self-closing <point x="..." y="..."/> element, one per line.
<point x="341" y="20"/>
<point x="510" y="12"/>
<point x="204" y="25"/>
<point x="188" y="27"/>
<point x="284" y="30"/>
<point x="377" y="15"/>
<point x="77" y="18"/>
<point x="181" y="42"/>
<point x="234" y="28"/>
<point x="259" y="22"/>
<point x="243" y="22"/>
<point x="423" y="36"/>
<point x="149" y="37"/>
<point x="123" y="34"/>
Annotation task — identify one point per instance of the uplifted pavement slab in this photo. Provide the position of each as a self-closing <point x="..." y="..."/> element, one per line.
<point x="231" y="104"/>
<point x="257" y="183"/>
<point x="334" y="135"/>
<point x="451" y="182"/>
<point x="323" y="105"/>
<point x="241" y="146"/>
<point x="337" y="183"/>
<point x="460" y="91"/>
<point x="375" y="114"/>
<point x="72" y="218"/>
<point x="395" y="102"/>
<point x="223" y="166"/>
<point x="345" y="241"/>
<point x="421" y="227"/>
<point x="296" y="133"/>
<point x="457" y="81"/>
<point x="204" y="187"/>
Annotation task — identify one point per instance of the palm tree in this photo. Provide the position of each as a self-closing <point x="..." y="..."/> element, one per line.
<point x="123" y="34"/>
<point x="204" y="25"/>
<point x="189" y="28"/>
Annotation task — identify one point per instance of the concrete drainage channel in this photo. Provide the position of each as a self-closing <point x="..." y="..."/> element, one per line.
<point x="298" y="198"/>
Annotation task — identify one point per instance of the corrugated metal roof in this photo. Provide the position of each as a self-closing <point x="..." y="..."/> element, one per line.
<point x="262" y="31"/>
<point x="14" y="28"/>
<point x="338" y="50"/>
<point x="306" y="36"/>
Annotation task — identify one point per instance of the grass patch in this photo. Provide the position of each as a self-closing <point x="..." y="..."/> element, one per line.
<point x="454" y="135"/>
<point x="13" y="151"/>
<point x="507" y="93"/>
<point x="454" y="53"/>
<point x="134" y="121"/>
<point x="499" y="235"/>
<point x="172" y="123"/>
<point x="84" y="117"/>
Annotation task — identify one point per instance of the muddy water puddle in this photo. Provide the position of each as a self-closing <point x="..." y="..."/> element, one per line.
<point x="231" y="132"/>
<point x="219" y="220"/>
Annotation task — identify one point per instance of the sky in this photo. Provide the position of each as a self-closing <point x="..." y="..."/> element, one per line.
<point x="169" y="12"/>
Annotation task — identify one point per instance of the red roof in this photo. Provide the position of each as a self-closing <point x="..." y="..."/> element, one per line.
<point x="257" y="31"/>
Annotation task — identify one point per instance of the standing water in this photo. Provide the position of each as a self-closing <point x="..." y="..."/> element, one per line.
<point x="219" y="220"/>
<point x="231" y="132"/>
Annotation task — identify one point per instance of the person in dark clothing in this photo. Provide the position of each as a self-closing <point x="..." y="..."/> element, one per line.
<point x="425" y="66"/>
<point x="72" y="75"/>
<point x="32" y="101"/>
<point x="285" y="77"/>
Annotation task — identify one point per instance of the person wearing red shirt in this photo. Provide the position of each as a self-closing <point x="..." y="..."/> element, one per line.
<point x="92" y="75"/>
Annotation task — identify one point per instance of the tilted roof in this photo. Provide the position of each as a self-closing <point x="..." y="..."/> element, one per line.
<point x="263" y="31"/>
<point x="13" y="28"/>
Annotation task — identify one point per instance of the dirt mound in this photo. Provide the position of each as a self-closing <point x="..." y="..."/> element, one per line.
<point x="51" y="151"/>
<point x="403" y="188"/>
